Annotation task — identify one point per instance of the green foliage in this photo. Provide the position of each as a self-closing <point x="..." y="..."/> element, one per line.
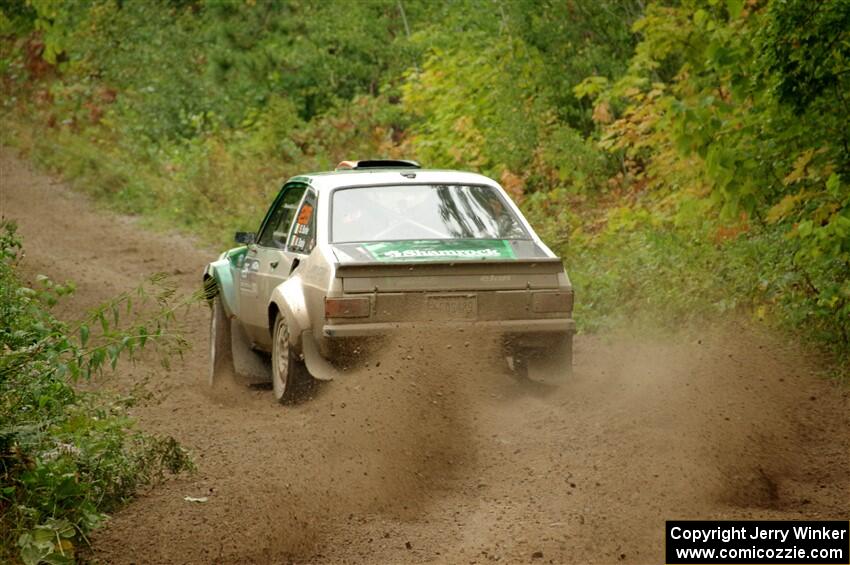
<point x="649" y="142"/>
<point x="317" y="52"/>
<point x="68" y="456"/>
<point x="762" y="126"/>
<point x="17" y="17"/>
<point x="474" y="112"/>
<point x="806" y="52"/>
<point x="501" y="99"/>
<point x="129" y="47"/>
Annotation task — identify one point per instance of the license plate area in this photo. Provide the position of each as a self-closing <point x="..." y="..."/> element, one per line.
<point x="451" y="306"/>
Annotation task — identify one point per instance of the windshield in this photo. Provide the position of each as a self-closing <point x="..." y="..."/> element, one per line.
<point x="446" y="211"/>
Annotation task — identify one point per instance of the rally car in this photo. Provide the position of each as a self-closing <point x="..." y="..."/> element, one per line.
<point x="378" y="247"/>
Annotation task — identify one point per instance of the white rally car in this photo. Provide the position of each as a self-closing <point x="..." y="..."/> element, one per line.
<point x="377" y="247"/>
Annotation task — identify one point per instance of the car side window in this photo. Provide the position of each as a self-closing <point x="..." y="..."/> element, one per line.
<point x="303" y="237"/>
<point x="276" y="229"/>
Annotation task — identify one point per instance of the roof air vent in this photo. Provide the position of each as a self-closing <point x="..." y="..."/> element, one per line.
<point x="378" y="164"/>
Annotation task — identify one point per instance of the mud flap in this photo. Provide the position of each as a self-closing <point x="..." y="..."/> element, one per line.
<point x="247" y="363"/>
<point x="550" y="367"/>
<point x="319" y="367"/>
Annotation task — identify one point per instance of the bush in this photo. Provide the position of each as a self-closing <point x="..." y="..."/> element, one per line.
<point x="68" y="456"/>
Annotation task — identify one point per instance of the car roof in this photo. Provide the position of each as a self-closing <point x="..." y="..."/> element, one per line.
<point x="324" y="181"/>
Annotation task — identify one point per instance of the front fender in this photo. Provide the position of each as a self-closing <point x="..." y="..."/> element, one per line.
<point x="221" y="270"/>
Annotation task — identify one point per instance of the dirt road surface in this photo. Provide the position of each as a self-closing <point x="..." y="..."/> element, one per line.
<point x="431" y="457"/>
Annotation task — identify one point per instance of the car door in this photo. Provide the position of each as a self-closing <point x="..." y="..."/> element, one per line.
<point x="268" y="263"/>
<point x="276" y="264"/>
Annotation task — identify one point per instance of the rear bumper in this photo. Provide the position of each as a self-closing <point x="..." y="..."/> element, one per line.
<point x="558" y="325"/>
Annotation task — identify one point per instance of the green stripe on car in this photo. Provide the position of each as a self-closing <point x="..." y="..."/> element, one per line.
<point x="441" y="250"/>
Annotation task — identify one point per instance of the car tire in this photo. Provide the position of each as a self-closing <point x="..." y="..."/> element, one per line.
<point x="286" y="368"/>
<point x="220" y="352"/>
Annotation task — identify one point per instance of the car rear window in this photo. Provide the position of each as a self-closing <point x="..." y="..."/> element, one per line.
<point x="425" y="211"/>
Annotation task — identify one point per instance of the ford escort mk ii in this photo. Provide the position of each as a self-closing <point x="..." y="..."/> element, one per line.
<point x="376" y="248"/>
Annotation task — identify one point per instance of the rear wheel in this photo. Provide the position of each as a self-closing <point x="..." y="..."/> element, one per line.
<point x="286" y="369"/>
<point x="221" y="356"/>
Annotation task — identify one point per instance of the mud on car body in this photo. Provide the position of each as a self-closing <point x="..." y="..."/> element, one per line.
<point x="379" y="247"/>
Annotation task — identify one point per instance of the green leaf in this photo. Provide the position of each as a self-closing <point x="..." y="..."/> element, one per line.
<point x="734" y="7"/>
<point x="113" y="352"/>
<point x="97" y="358"/>
<point x="41" y="535"/>
<point x="30" y="554"/>
<point x="833" y="184"/>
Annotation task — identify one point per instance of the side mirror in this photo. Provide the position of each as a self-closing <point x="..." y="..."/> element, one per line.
<point x="245" y="237"/>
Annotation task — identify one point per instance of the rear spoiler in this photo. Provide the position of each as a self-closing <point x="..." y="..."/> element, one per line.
<point x="541" y="265"/>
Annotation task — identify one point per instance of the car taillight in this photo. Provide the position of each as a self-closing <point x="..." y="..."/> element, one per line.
<point x="347" y="307"/>
<point x="552" y="302"/>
